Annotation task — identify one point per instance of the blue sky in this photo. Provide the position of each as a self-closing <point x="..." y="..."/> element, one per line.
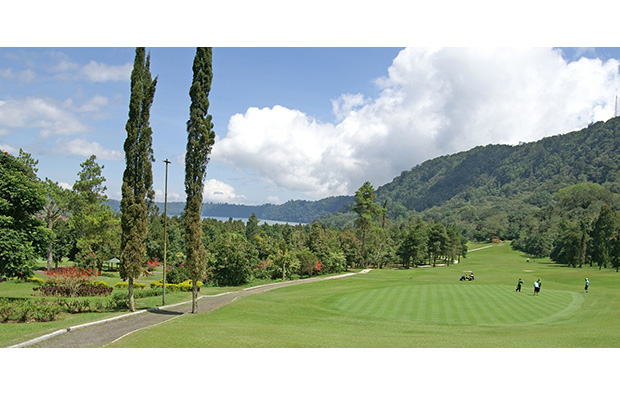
<point x="298" y="123"/>
<point x="74" y="101"/>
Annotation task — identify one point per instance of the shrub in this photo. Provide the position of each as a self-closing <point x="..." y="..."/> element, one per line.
<point x="126" y="285"/>
<point x="74" y="306"/>
<point x="184" y="286"/>
<point x="100" y="283"/>
<point x="65" y="291"/>
<point x="176" y="274"/>
<point x="147" y="293"/>
<point x="118" y="301"/>
<point x="69" y="278"/>
<point x="36" y="280"/>
<point x="28" y="310"/>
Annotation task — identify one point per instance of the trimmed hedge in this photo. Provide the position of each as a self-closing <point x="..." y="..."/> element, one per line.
<point x="185" y="286"/>
<point x="52" y="289"/>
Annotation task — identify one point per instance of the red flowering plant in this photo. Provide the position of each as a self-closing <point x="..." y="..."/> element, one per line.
<point x="70" y="278"/>
<point x="318" y="265"/>
<point x="152" y="264"/>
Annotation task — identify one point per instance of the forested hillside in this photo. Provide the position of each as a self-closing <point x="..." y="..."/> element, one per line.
<point x="489" y="188"/>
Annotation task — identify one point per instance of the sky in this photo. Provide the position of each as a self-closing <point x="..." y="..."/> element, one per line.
<point x="298" y="122"/>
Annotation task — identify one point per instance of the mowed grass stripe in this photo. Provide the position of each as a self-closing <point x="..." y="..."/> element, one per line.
<point x="460" y="304"/>
<point x="481" y="300"/>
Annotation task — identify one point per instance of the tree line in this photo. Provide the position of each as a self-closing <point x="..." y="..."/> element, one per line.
<point x="55" y="223"/>
<point x="579" y="226"/>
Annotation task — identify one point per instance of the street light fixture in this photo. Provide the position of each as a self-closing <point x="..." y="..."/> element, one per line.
<point x="163" y="297"/>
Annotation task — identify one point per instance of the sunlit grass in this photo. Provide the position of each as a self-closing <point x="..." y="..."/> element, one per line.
<point x="423" y="307"/>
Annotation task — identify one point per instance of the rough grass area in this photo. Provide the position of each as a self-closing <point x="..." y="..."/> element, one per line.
<point x="423" y="307"/>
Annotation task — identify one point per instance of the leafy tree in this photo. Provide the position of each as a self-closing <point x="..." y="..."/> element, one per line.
<point x="200" y="139"/>
<point x="232" y="258"/>
<point x="367" y="210"/>
<point x="307" y="261"/>
<point x="602" y="232"/>
<point x="412" y="249"/>
<point x="456" y="244"/>
<point x="21" y="196"/>
<point x="615" y="250"/>
<point x="251" y="228"/>
<point x="56" y="210"/>
<point x="567" y="248"/>
<point x="93" y="223"/>
<point x="138" y="174"/>
<point x="437" y="241"/>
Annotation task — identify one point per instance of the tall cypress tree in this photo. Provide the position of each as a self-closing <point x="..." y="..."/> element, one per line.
<point x="137" y="189"/>
<point x="200" y="139"/>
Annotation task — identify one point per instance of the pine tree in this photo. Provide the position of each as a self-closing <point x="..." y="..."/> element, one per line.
<point x="137" y="191"/>
<point x="200" y="139"/>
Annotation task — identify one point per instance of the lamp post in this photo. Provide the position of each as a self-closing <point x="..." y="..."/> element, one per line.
<point x="163" y="296"/>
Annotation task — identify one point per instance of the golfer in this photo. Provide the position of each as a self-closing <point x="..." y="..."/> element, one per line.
<point x="519" y="285"/>
<point x="536" y="287"/>
<point x="587" y="284"/>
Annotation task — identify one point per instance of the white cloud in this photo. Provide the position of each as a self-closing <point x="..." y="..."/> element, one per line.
<point x="219" y="192"/>
<point x="65" y="185"/>
<point x="433" y="102"/>
<point x="273" y="200"/>
<point x="65" y="65"/>
<point x="94" y="105"/>
<point x="85" y="148"/>
<point x="10" y="149"/>
<point x="101" y="72"/>
<point x="287" y="148"/>
<point x="346" y="103"/>
<point x="50" y="117"/>
<point x="24" y="76"/>
<point x="172" y="196"/>
<point x="93" y="71"/>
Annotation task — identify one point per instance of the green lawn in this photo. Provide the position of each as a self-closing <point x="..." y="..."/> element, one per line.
<point x="422" y="307"/>
<point x="15" y="333"/>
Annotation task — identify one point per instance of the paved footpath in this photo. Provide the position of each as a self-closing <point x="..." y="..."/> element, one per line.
<point x="102" y="333"/>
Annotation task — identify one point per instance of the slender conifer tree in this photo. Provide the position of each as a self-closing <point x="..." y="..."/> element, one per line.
<point x="137" y="189"/>
<point x="200" y="140"/>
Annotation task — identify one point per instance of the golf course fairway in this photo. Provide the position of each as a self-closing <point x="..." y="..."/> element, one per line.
<point x="415" y="308"/>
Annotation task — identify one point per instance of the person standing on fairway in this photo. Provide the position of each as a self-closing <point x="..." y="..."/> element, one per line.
<point x="536" y="287"/>
<point x="519" y="285"/>
<point x="587" y="284"/>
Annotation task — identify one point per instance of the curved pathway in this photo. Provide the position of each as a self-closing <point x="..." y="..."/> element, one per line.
<point x="102" y="333"/>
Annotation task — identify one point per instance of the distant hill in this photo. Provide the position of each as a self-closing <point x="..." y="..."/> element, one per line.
<point x="300" y="211"/>
<point x="527" y="172"/>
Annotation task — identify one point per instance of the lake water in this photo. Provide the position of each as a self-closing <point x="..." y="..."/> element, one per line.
<point x="260" y="221"/>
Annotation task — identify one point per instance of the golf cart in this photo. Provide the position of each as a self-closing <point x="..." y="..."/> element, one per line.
<point x="467" y="276"/>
